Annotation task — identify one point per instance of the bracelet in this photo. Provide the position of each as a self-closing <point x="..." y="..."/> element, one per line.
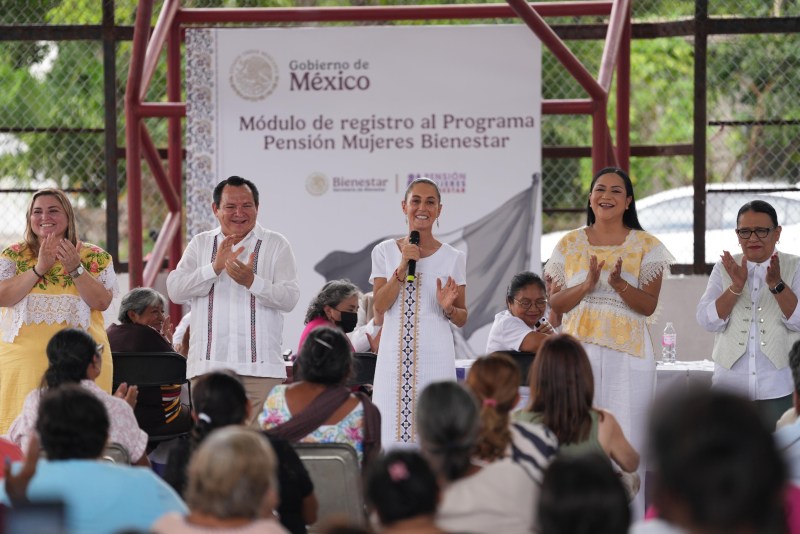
<point x="397" y="277"/>
<point x="627" y="285"/>
<point x="35" y="271"/>
<point x="451" y="313"/>
<point x="730" y="288"/>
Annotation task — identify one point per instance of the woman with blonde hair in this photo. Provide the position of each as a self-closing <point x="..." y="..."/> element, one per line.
<point x="48" y="282"/>
<point x="232" y="487"/>
<point x="495" y="380"/>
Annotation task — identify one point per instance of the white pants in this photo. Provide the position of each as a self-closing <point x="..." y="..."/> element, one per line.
<point x="625" y="385"/>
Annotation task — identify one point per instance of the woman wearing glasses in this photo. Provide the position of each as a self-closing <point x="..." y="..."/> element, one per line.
<point x="606" y="283"/>
<point x="751" y="306"/>
<point x="522" y="326"/>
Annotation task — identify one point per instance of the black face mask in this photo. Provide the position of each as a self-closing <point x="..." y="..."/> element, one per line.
<point x="348" y="321"/>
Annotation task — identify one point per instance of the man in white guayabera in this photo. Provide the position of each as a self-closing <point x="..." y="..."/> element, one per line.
<point x="240" y="279"/>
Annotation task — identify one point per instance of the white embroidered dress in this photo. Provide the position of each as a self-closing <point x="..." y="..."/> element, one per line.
<point x="417" y="345"/>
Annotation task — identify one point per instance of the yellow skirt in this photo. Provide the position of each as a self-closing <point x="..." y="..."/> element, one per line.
<point x="23" y="363"/>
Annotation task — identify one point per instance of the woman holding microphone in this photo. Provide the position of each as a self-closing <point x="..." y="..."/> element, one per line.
<point x="419" y="303"/>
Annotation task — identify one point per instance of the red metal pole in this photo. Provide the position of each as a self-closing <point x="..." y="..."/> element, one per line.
<point x="162" y="109"/>
<point x="165" y="20"/>
<point x="370" y="13"/>
<point x="568" y="107"/>
<point x="616" y="26"/>
<point x="133" y="124"/>
<point x="175" y="148"/>
<point x="170" y="228"/>
<point x="599" y="129"/>
<point x="549" y="38"/>
<point x="624" y="96"/>
<point x="157" y="168"/>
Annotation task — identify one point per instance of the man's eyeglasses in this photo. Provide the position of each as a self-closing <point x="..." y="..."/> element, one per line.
<point x="761" y="233"/>
<point x="526" y="304"/>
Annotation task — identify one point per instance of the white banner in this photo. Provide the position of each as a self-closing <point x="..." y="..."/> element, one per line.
<point x="332" y="123"/>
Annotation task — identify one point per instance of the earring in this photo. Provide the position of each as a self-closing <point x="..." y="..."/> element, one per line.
<point x="437" y="222"/>
<point x="406" y="219"/>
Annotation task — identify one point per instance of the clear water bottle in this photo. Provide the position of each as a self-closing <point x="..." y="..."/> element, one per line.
<point x="668" y="342"/>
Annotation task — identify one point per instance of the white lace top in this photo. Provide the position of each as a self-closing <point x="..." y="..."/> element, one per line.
<point x="602" y="317"/>
<point x="54" y="299"/>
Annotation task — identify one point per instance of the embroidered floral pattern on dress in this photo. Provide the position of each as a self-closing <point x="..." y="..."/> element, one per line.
<point x="52" y="308"/>
<point x="349" y="430"/>
<point x="602" y="317"/>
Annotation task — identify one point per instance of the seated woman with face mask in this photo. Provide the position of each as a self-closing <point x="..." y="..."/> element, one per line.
<point x="336" y="306"/>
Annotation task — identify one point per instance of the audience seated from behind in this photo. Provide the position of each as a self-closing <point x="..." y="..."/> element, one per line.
<point x="403" y="493"/>
<point x="320" y="408"/>
<point x="74" y="358"/>
<point x="787" y="437"/>
<point x="10" y="450"/>
<point x="478" y="496"/>
<point x="561" y="396"/>
<point x="220" y="400"/>
<point x="231" y="488"/>
<point x="100" y="497"/>
<point x="583" y="495"/>
<point x="717" y="467"/>
<point x="144" y="328"/>
<point x="494" y="380"/>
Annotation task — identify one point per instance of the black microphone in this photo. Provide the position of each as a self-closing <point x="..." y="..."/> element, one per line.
<point x="413" y="238"/>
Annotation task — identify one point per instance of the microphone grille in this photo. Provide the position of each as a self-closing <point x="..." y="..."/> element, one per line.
<point x="413" y="237"/>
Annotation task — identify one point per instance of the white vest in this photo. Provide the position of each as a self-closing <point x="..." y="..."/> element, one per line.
<point x="775" y="339"/>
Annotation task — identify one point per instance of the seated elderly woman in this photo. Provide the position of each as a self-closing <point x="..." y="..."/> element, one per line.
<point x="320" y="408"/>
<point x="561" y="397"/>
<point x="232" y="487"/>
<point x="479" y="496"/>
<point x="144" y="328"/>
<point x="219" y="400"/>
<point x="74" y="358"/>
<point x="100" y="497"/>
<point x="522" y="325"/>
<point x="337" y="305"/>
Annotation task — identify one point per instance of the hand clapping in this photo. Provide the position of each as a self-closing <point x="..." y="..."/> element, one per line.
<point x="240" y="272"/>
<point x="615" y="279"/>
<point x="773" y="271"/>
<point x="446" y="295"/>
<point x="69" y="255"/>
<point x="593" y="276"/>
<point x="737" y="272"/>
<point x="48" y="254"/>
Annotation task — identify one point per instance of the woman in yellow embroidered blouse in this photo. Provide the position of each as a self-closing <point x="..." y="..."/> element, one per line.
<point x="48" y="282"/>
<point x="606" y="281"/>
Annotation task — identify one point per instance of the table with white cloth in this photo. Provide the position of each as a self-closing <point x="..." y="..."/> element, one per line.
<point x="683" y="376"/>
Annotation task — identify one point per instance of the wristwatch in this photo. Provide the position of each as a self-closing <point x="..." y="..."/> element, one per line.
<point x="79" y="270"/>
<point x="778" y="288"/>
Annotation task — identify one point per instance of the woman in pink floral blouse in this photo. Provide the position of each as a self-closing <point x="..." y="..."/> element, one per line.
<point x="48" y="282"/>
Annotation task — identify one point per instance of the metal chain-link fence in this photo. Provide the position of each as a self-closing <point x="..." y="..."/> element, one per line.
<point x="53" y="114"/>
